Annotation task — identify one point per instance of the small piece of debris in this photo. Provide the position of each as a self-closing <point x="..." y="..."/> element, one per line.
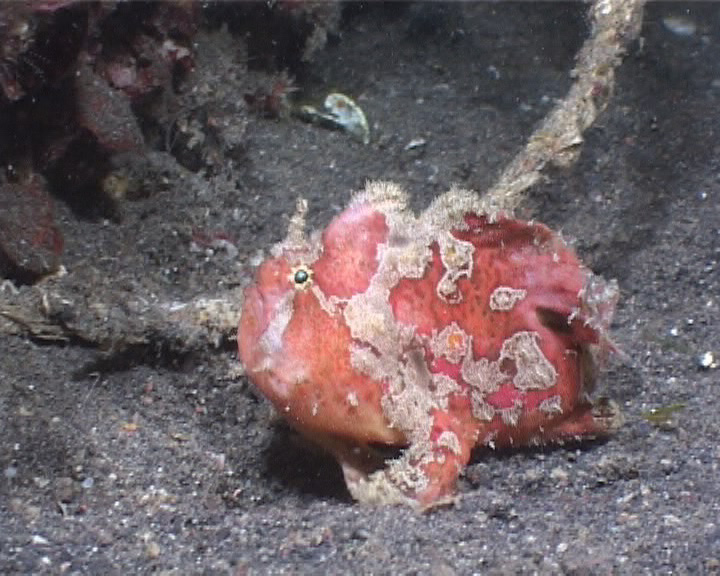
<point x="152" y="549"/>
<point x="130" y="427"/>
<point x="559" y="475"/>
<point x="707" y="361"/>
<point x="664" y="416"/>
<point x="680" y="25"/>
<point x="671" y="520"/>
<point x="415" y="143"/>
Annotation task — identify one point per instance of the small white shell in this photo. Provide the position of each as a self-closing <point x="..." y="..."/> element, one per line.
<point x="340" y="112"/>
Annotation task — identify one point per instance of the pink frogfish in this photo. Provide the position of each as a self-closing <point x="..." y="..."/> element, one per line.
<point x="399" y="342"/>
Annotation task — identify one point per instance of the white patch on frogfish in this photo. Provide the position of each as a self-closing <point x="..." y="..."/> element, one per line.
<point x="449" y="440"/>
<point x="505" y="298"/>
<point x="533" y="370"/>
<point x="457" y="258"/>
<point x="352" y="399"/>
<point x="551" y="405"/>
<point x="271" y="341"/>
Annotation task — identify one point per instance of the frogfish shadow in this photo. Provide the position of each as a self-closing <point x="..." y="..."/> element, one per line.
<point x="304" y="468"/>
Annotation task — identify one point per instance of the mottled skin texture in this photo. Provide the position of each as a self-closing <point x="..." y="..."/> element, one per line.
<point x="430" y="334"/>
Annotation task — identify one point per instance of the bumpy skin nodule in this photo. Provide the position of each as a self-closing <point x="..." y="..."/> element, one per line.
<point x="429" y="333"/>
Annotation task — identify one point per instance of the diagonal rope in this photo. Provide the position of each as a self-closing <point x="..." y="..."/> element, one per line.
<point x="615" y="24"/>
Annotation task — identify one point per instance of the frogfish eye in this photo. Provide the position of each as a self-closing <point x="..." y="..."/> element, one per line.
<point x="302" y="277"/>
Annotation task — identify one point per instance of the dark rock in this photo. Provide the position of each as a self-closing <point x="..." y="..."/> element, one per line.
<point x="30" y="242"/>
<point x="106" y="113"/>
